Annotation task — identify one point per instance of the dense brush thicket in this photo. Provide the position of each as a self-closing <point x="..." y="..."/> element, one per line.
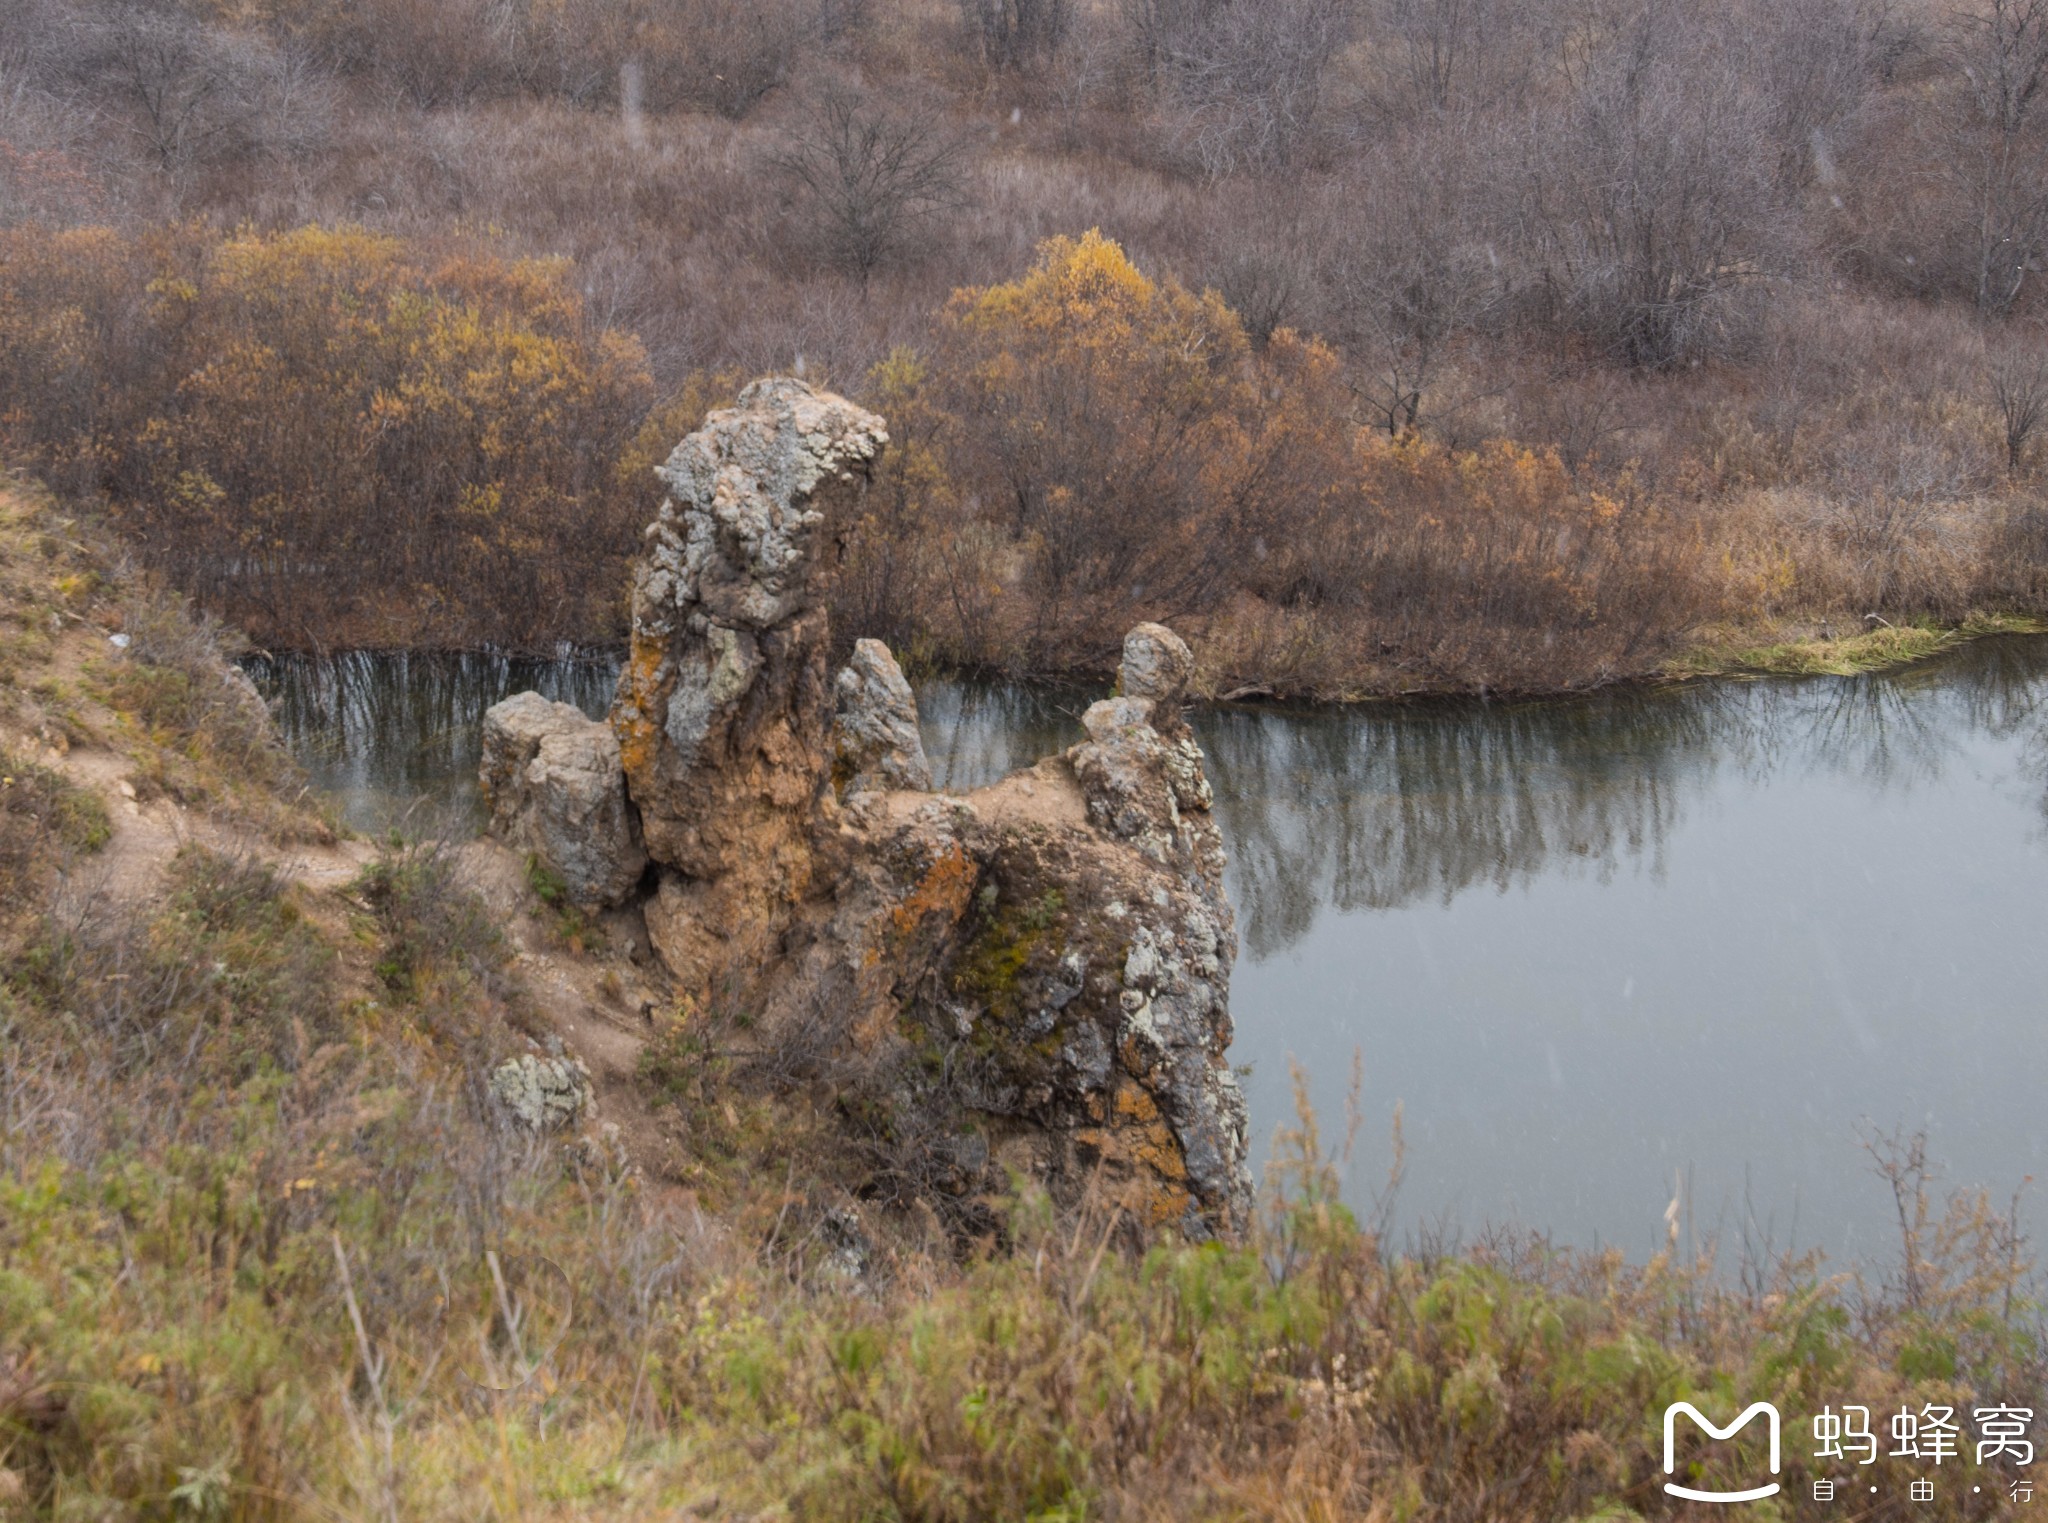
<point x="1424" y="342"/>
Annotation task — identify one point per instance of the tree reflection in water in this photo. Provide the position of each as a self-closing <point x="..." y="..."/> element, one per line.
<point x="1324" y="809"/>
<point x="395" y="735"/>
<point x="1366" y="808"/>
<point x="1384" y="806"/>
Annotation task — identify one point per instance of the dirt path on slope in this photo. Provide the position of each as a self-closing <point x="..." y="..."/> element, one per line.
<point x="600" y="1002"/>
<point x="146" y="834"/>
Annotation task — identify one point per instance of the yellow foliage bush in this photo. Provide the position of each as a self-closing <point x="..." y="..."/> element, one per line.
<point x="1087" y="446"/>
<point x="1112" y="441"/>
<point x="329" y="434"/>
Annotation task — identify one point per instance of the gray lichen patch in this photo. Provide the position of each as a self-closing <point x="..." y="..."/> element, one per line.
<point x="542" y="1094"/>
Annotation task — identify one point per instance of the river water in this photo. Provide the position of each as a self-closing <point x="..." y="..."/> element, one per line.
<point x="1695" y="942"/>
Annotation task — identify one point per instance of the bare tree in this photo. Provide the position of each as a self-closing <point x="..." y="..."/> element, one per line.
<point x="298" y="100"/>
<point x="1435" y="37"/>
<point x="433" y="55"/>
<point x="1992" y="152"/>
<point x="724" y="55"/>
<point x="1244" y="79"/>
<point x="869" y="183"/>
<point x="1820" y="62"/>
<point x="2001" y="49"/>
<point x="2018" y="374"/>
<point x="1415" y="263"/>
<point x="1264" y="284"/>
<point x="1649" y="208"/>
<point x="188" y="93"/>
<point x="1410" y="307"/>
<point x="1014" y="34"/>
<point x="1441" y="54"/>
<point x="33" y="34"/>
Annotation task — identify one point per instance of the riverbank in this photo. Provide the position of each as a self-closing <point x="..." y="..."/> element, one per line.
<point x="269" y="1255"/>
<point x="1785" y="649"/>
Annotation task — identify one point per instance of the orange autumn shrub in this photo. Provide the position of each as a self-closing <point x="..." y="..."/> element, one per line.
<point x="915" y="570"/>
<point x="331" y="436"/>
<point x="82" y="333"/>
<point x="1116" y="449"/>
<point x="1085" y="447"/>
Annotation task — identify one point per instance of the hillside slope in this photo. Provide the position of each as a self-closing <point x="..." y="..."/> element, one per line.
<point x="273" y="1244"/>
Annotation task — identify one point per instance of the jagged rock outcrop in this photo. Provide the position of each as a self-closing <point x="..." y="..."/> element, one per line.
<point x="552" y="782"/>
<point x="1032" y="978"/>
<point x="1038" y="974"/>
<point x="724" y="709"/>
<point x="875" y="741"/>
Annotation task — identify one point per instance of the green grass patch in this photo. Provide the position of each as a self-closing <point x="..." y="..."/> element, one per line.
<point x="578" y="932"/>
<point x="51" y="802"/>
<point x="1880" y="647"/>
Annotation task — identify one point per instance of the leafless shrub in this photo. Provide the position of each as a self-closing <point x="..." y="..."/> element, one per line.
<point x="1989" y="147"/>
<point x="724" y="55"/>
<point x="1242" y="80"/>
<point x="2018" y="375"/>
<point x="1414" y="272"/>
<point x="1264" y="289"/>
<point x="1576" y="409"/>
<point x="44" y="176"/>
<point x="869" y="185"/>
<point x="298" y="101"/>
<point x="1649" y="212"/>
<point x="1961" y="1256"/>
<point x="1012" y="35"/>
<point x="2000" y="47"/>
<point x="1436" y="39"/>
<point x="2017" y="553"/>
<point x="1898" y="526"/>
<point x="187" y="93"/>
<point x="1822" y="61"/>
<point x="1082" y="80"/>
<point x="428" y="54"/>
<point x="35" y="37"/>
<point x="1442" y="55"/>
<point x="1264" y="277"/>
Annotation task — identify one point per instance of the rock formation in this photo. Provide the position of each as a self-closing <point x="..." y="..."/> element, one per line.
<point x="552" y="782"/>
<point x="1030" y="979"/>
<point x="1038" y="974"/>
<point x="875" y="742"/>
<point x="724" y="709"/>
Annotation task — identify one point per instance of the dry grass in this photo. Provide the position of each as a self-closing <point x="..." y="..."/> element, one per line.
<point x="393" y="1308"/>
<point x="1813" y="433"/>
<point x="1729" y="652"/>
<point x="267" y="1253"/>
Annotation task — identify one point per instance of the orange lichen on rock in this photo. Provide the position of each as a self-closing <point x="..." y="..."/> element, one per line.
<point x="943" y="891"/>
<point x="639" y="696"/>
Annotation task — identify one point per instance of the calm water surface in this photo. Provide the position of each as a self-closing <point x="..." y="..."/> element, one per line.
<point x="1696" y="941"/>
